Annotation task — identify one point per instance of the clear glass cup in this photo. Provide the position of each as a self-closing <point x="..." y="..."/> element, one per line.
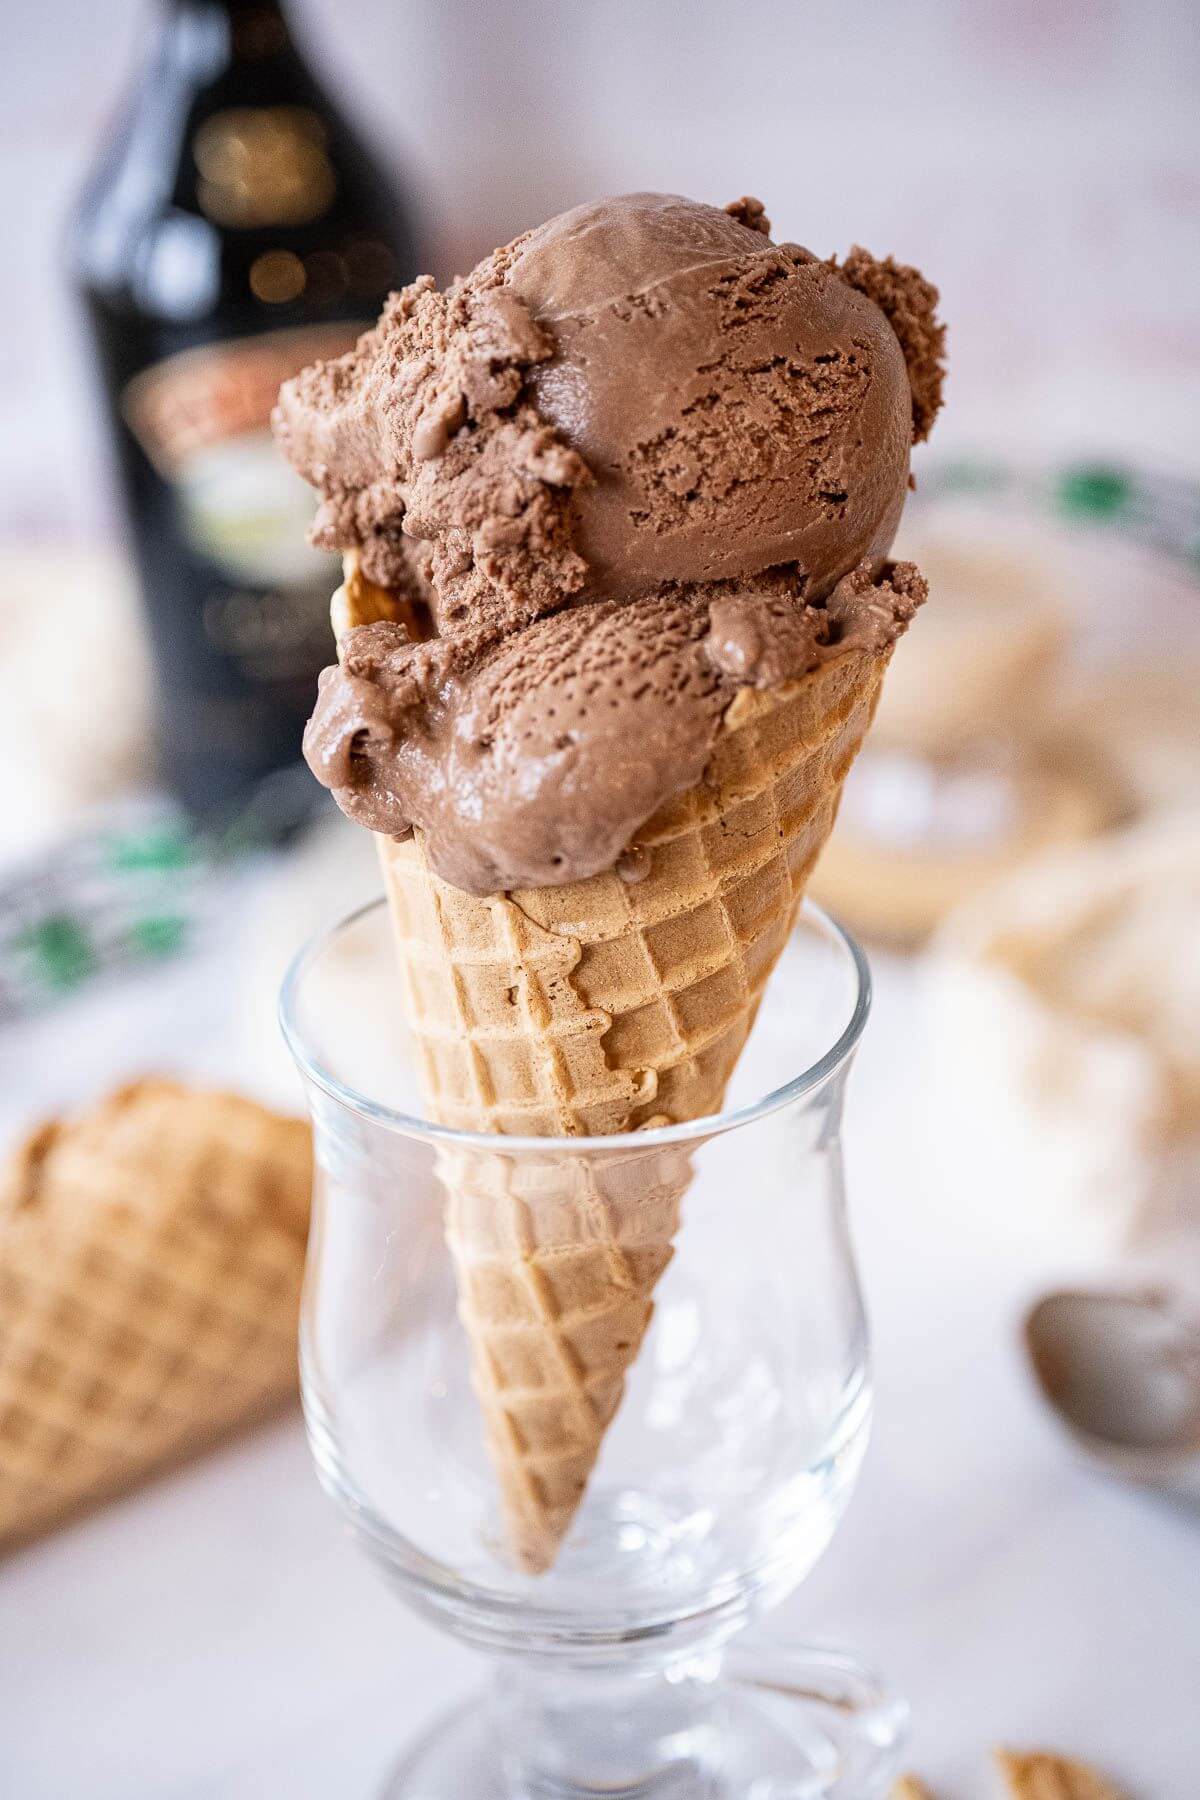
<point x="732" y="1451"/>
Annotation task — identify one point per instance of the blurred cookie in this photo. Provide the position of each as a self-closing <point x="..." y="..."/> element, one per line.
<point x="1039" y="1775"/>
<point x="914" y="840"/>
<point x="986" y="656"/>
<point x="1144" y="717"/>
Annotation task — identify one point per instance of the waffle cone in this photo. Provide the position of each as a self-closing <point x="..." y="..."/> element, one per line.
<point x="151" y="1253"/>
<point x="595" y="1008"/>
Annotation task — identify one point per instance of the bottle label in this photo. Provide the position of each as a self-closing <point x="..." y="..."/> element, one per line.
<point x="203" y="419"/>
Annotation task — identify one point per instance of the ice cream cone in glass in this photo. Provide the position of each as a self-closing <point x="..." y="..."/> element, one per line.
<point x="584" y="1354"/>
<point x="733" y="1414"/>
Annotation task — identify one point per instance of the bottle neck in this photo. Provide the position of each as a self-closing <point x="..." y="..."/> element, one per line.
<point x="238" y="30"/>
<point x="229" y="9"/>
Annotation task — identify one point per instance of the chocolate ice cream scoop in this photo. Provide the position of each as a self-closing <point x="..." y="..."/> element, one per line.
<point x="536" y="762"/>
<point x="635" y="460"/>
<point x="739" y="404"/>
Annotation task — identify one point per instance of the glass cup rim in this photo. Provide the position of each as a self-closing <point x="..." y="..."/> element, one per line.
<point x="710" y="1125"/>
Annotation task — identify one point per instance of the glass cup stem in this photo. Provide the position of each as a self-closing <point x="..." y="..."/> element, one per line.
<point x="646" y="1730"/>
<point x="704" y="1727"/>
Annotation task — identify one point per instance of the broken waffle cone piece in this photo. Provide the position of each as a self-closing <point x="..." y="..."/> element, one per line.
<point x="601" y="1007"/>
<point x="908" y="1787"/>
<point x="151" y="1253"/>
<point x="1040" y="1775"/>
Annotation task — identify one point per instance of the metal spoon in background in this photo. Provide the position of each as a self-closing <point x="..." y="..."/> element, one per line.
<point x="1121" y="1371"/>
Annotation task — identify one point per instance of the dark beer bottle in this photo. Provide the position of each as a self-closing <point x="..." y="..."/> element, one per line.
<point x="233" y="231"/>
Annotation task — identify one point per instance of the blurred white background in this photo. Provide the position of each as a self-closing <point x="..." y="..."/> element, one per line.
<point x="1039" y="159"/>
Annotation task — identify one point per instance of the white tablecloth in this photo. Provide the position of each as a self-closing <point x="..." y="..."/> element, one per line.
<point x="216" y="1634"/>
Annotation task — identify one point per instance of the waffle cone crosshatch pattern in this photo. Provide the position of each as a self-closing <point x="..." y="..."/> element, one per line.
<point x="602" y="1006"/>
<point x="151" y="1253"/>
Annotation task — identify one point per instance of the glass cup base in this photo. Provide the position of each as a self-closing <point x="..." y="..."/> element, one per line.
<point x="782" y="1724"/>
